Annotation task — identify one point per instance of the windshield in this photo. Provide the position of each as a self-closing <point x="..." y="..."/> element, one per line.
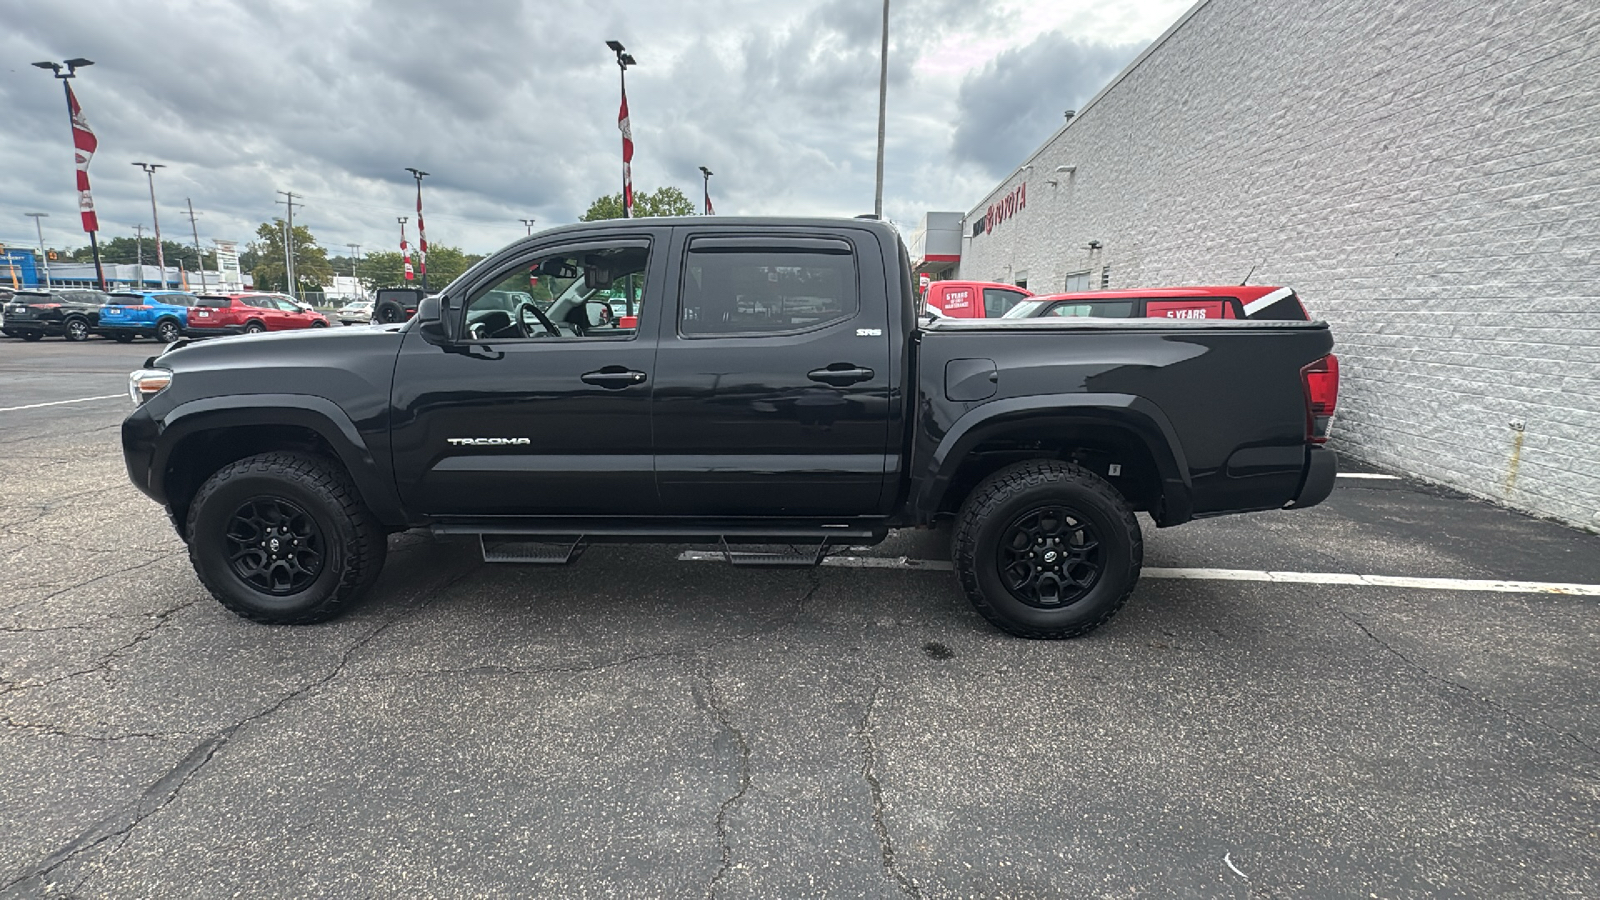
<point x="1023" y="310"/>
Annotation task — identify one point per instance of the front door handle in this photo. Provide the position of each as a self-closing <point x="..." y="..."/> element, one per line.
<point x="613" y="377"/>
<point x="840" y="374"/>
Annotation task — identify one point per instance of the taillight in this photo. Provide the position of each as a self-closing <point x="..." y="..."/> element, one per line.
<point x="1321" y="380"/>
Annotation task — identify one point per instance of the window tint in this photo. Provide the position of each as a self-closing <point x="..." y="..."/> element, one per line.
<point x="590" y="293"/>
<point x="1100" y="309"/>
<point x="175" y="299"/>
<point x="758" y="291"/>
<point x="997" y="302"/>
<point x="214" y="302"/>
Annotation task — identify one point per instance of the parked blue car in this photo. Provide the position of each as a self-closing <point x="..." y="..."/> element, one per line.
<point x="163" y="315"/>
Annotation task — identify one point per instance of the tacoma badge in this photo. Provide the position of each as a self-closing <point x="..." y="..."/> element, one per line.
<point x="490" y="442"/>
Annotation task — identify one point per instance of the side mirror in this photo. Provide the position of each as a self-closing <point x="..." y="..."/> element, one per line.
<point x="434" y="320"/>
<point x="598" y="313"/>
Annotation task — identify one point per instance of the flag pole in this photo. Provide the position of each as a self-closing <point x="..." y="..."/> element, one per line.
<point x="94" y="245"/>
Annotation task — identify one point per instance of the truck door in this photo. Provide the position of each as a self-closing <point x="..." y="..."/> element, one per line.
<point x="772" y="378"/>
<point x="539" y="408"/>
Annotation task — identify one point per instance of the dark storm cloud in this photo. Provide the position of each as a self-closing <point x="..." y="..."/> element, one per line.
<point x="1017" y="100"/>
<point x="511" y="106"/>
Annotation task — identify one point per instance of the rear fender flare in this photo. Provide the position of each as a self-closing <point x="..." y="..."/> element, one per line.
<point x="1125" y="412"/>
<point x="318" y="414"/>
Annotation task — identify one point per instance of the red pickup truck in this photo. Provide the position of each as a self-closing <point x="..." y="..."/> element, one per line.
<point x="974" y="299"/>
<point x="217" y="314"/>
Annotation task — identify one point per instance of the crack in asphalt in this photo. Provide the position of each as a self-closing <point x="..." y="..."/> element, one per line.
<point x="58" y="731"/>
<point x="165" y="790"/>
<point x="869" y="764"/>
<point x="1469" y="691"/>
<point x="103" y="663"/>
<point x="720" y="712"/>
<point x="86" y="582"/>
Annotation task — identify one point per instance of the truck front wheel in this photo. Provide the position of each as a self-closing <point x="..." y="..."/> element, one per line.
<point x="284" y="538"/>
<point x="1046" y="549"/>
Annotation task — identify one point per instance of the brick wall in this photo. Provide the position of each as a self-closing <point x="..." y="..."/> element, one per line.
<point x="1425" y="174"/>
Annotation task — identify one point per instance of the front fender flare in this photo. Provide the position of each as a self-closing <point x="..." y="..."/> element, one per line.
<point x="317" y="414"/>
<point x="1126" y="412"/>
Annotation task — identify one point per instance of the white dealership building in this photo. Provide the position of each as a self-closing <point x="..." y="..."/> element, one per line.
<point x="1426" y="175"/>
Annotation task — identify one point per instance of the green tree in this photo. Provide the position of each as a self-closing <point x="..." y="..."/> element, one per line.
<point x="387" y="268"/>
<point x="126" y="250"/>
<point x="663" y="201"/>
<point x="311" y="268"/>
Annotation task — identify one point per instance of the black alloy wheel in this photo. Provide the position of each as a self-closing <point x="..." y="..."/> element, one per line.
<point x="274" y="546"/>
<point x="76" y="330"/>
<point x="168" y="331"/>
<point x="1050" y="557"/>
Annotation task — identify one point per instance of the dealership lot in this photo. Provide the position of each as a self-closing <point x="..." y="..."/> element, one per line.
<point x="644" y="724"/>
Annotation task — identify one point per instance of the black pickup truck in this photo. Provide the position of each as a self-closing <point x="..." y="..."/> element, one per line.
<point x="776" y="387"/>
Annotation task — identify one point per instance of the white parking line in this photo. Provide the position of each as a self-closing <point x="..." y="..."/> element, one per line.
<point x="1401" y="581"/>
<point x="1372" y="475"/>
<point x="60" y="402"/>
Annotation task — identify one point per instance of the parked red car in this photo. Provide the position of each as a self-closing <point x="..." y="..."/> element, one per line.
<point x="974" y="299"/>
<point x="1212" y="302"/>
<point x="217" y="314"/>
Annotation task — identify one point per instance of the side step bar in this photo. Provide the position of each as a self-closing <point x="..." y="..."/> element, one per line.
<point x="530" y="550"/>
<point x="544" y="550"/>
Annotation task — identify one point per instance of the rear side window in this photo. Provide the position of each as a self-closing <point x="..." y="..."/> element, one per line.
<point x="997" y="302"/>
<point x="733" y="288"/>
<point x="175" y="299"/>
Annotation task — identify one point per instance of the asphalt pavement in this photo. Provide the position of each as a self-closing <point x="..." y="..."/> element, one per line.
<point x="642" y="725"/>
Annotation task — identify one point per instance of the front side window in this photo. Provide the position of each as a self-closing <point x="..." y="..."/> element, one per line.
<point x="752" y="291"/>
<point x="1103" y="309"/>
<point x="590" y="293"/>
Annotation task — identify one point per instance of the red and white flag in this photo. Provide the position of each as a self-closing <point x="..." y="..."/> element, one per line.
<point x="84" y="144"/>
<point x="422" y="236"/>
<point x="627" y="156"/>
<point x="405" y="253"/>
<point x="710" y="210"/>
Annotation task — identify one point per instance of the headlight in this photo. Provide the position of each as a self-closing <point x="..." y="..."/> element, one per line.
<point x="146" y="383"/>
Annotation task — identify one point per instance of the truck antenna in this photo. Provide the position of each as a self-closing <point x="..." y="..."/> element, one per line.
<point x="1247" y="275"/>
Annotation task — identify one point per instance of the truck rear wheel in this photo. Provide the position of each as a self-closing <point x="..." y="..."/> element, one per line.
<point x="284" y="538"/>
<point x="1046" y="549"/>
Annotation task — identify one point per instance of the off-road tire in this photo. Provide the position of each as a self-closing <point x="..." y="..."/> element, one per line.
<point x="167" y="331"/>
<point x="999" y="500"/>
<point x="355" y="544"/>
<point x="75" y="329"/>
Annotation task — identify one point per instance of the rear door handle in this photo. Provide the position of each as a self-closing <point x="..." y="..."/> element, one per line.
<point x="840" y="374"/>
<point x="613" y="377"/>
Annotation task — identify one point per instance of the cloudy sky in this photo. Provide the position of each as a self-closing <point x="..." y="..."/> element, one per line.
<point x="511" y="105"/>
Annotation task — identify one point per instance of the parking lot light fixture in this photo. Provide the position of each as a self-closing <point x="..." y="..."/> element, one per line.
<point x="529" y="224"/>
<point x="80" y="129"/>
<point x="161" y="259"/>
<point x="44" y="256"/>
<point x="705" y="196"/>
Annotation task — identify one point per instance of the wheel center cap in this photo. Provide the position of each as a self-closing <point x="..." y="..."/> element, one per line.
<point x="1051" y="556"/>
<point x="274" y="545"/>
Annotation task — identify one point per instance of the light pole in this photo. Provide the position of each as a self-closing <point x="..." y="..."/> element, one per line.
<point x="529" y="223"/>
<point x="44" y="257"/>
<point x="883" y="104"/>
<point x="84" y="144"/>
<point x="288" y="243"/>
<point x="422" y="234"/>
<point x="624" y="60"/>
<point x="705" y="207"/>
<point x="138" y="243"/>
<point x="161" y="259"/>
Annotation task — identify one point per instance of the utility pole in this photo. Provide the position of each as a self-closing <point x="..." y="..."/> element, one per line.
<point x="288" y="242"/>
<point x="44" y="255"/>
<point x="529" y="223"/>
<point x="355" y="259"/>
<point x="883" y="105"/>
<point x="138" y="240"/>
<point x="199" y="259"/>
<point x="161" y="260"/>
